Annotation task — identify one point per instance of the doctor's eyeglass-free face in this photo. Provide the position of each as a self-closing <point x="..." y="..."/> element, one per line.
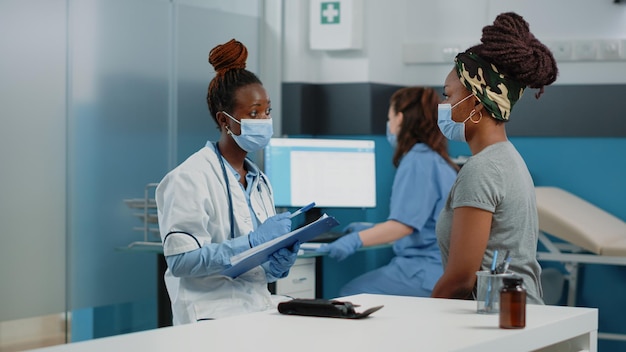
<point x="251" y="102"/>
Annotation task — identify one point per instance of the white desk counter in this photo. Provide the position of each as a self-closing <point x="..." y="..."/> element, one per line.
<point x="404" y="324"/>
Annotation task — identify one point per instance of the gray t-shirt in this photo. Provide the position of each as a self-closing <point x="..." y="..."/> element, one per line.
<point x="497" y="180"/>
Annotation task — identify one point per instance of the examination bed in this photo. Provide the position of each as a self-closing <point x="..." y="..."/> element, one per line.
<point x="574" y="231"/>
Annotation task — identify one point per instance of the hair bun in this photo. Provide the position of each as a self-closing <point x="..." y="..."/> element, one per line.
<point x="510" y="45"/>
<point x="230" y="55"/>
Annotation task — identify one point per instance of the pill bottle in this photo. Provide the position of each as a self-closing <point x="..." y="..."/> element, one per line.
<point x="512" y="303"/>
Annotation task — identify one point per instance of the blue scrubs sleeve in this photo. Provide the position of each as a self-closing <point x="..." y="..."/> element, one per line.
<point x="415" y="190"/>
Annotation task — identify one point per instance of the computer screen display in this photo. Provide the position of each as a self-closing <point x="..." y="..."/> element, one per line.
<point x="329" y="172"/>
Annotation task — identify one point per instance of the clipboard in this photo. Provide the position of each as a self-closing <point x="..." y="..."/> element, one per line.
<point x="258" y="255"/>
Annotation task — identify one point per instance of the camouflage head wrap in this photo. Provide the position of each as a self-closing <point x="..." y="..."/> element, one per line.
<point x="494" y="90"/>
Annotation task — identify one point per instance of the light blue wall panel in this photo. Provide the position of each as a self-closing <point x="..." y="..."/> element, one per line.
<point x="120" y="52"/>
<point x="139" y="74"/>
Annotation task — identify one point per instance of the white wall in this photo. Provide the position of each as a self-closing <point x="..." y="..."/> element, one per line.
<point x="389" y="24"/>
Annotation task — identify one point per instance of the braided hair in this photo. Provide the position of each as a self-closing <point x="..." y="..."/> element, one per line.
<point x="418" y="105"/>
<point x="511" y="47"/>
<point x="229" y="62"/>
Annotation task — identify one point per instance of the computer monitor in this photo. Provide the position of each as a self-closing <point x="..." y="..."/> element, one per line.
<point x="330" y="172"/>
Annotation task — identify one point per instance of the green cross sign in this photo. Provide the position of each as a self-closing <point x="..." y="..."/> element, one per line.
<point x="330" y="12"/>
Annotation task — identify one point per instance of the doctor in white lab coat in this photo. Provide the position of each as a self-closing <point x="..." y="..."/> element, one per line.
<point x="218" y="203"/>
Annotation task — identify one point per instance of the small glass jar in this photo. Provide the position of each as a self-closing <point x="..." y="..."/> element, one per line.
<point x="512" y="303"/>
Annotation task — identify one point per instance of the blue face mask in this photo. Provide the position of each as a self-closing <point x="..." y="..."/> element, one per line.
<point x="391" y="138"/>
<point x="255" y="133"/>
<point x="454" y="131"/>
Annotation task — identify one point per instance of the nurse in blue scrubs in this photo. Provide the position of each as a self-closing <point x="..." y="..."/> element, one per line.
<point x="421" y="185"/>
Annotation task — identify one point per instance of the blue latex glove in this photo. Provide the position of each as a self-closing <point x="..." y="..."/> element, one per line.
<point x="273" y="227"/>
<point x="281" y="261"/>
<point x="342" y="247"/>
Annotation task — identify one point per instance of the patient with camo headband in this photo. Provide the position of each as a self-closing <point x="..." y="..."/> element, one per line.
<point x="491" y="208"/>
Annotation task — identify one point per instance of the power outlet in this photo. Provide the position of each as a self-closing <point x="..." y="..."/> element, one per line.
<point x="609" y="49"/>
<point x="449" y="52"/>
<point x="561" y="50"/>
<point x="585" y="50"/>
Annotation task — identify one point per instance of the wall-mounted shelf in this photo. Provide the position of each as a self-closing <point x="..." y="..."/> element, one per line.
<point x="145" y="209"/>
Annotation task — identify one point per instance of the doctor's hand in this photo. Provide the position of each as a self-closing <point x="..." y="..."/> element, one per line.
<point x="281" y="261"/>
<point x="342" y="247"/>
<point x="273" y="227"/>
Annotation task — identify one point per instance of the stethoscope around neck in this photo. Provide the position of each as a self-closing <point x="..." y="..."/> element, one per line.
<point x="231" y="213"/>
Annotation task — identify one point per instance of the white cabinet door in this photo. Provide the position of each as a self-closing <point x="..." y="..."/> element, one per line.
<point x="300" y="283"/>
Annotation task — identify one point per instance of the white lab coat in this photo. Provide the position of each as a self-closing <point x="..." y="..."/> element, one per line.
<point x="192" y="199"/>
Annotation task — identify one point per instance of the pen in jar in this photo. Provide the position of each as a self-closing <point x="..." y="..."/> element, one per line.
<point x="504" y="266"/>
<point x="494" y="261"/>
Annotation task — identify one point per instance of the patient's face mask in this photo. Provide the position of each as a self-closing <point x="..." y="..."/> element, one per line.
<point x="255" y="133"/>
<point x="391" y="138"/>
<point x="454" y="131"/>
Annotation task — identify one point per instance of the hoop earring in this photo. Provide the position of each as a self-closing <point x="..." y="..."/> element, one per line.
<point x="474" y="113"/>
